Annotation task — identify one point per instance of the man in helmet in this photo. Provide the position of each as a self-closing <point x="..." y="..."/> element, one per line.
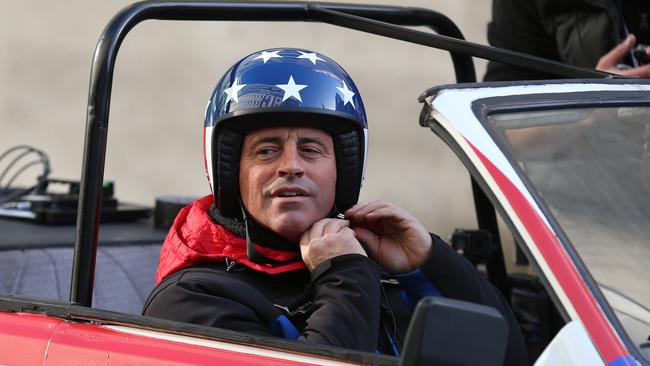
<point x="282" y="247"/>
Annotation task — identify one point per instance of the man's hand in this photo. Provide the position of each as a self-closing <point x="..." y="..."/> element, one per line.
<point x="610" y="61"/>
<point x="392" y="236"/>
<point x="326" y="239"/>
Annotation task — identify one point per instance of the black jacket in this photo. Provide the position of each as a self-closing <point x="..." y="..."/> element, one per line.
<point x="346" y="302"/>
<point x="577" y="32"/>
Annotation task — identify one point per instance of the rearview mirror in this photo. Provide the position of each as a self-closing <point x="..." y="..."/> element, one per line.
<point x="451" y="332"/>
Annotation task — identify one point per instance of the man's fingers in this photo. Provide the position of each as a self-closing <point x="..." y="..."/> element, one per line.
<point x="321" y="228"/>
<point x="333" y="226"/>
<point x="384" y="215"/>
<point x="354" y="209"/>
<point x="369" y="239"/>
<point x="621" y="50"/>
<point x="360" y="213"/>
<point x="316" y="230"/>
<point x="613" y="57"/>
<point x="641" y="72"/>
<point x="304" y="240"/>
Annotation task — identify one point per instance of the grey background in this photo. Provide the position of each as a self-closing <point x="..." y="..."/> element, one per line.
<point x="166" y="71"/>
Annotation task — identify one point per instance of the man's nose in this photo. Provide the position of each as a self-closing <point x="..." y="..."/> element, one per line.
<point x="290" y="163"/>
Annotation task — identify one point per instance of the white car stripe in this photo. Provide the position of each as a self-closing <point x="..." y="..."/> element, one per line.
<point x="252" y="350"/>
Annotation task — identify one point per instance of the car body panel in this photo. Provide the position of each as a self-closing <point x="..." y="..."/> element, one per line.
<point x="453" y="109"/>
<point x="571" y="346"/>
<point x="37" y="339"/>
<point x="24" y="338"/>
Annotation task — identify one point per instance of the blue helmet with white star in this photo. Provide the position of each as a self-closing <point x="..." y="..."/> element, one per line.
<point x="284" y="87"/>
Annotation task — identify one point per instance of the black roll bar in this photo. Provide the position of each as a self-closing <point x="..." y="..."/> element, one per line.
<point x="387" y="21"/>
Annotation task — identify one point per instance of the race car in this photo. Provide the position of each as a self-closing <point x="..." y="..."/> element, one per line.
<point x="565" y="163"/>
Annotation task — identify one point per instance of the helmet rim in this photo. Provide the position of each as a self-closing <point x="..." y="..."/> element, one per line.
<point x="226" y="127"/>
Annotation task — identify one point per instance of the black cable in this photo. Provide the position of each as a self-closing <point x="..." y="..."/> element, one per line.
<point x="22" y="169"/>
<point x="5" y="194"/>
<point x="390" y="311"/>
<point x="13" y="149"/>
<point x="13" y="162"/>
<point x="43" y="159"/>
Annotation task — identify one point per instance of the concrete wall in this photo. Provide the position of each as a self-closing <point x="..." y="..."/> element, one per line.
<point x="166" y="71"/>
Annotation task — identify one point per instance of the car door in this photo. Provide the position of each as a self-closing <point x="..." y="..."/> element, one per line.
<point x="478" y="121"/>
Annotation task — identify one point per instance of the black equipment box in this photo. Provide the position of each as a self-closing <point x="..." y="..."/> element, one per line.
<point x="49" y="208"/>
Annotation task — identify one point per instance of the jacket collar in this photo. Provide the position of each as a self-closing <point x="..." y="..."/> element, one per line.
<point x="194" y="238"/>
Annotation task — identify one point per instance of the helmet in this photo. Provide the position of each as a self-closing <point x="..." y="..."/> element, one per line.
<point x="284" y="87"/>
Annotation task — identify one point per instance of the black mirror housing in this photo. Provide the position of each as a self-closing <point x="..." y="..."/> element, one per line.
<point x="452" y="332"/>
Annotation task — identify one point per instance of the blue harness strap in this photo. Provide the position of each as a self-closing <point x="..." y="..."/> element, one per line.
<point x="283" y="327"/>
<point x="415" y="286"/>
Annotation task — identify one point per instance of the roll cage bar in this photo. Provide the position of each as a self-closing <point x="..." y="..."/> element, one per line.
<point x="387" y="21"/>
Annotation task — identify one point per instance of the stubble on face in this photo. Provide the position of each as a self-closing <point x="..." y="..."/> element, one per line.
<point x="288" y="178"/>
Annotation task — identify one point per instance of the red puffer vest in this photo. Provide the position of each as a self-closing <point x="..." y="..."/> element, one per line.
<point x="195" y="238"/>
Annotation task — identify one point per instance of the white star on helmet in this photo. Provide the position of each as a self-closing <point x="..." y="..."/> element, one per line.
<point x="291" y="89"/>
<point x="347" y="95"/>
<point x="310" y="56"/>
<point x="265" y="55"/>
<point x="233" y="91"/>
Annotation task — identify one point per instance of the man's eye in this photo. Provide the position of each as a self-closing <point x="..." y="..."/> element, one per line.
<point x="311" y="150"/>
<point x="265" y="151"/>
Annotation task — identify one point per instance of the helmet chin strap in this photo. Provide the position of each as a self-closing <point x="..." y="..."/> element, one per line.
<point x="254" y="229"/>
<point x="252" y="253"/>
<point x="335" y="213"/>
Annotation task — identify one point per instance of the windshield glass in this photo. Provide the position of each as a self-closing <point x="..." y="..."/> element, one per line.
<point x="591" y="167"/>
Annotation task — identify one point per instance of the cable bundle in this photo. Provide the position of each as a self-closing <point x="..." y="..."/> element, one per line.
<point x="21" y="154"/>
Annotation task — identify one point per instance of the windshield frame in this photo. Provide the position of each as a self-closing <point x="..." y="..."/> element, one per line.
<point x="483" y="108"/>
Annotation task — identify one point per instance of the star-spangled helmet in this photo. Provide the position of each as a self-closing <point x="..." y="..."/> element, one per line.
<point x="284" y="87"/>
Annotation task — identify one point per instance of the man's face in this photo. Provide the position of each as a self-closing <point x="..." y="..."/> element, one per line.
<point x="287" y="178"/>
